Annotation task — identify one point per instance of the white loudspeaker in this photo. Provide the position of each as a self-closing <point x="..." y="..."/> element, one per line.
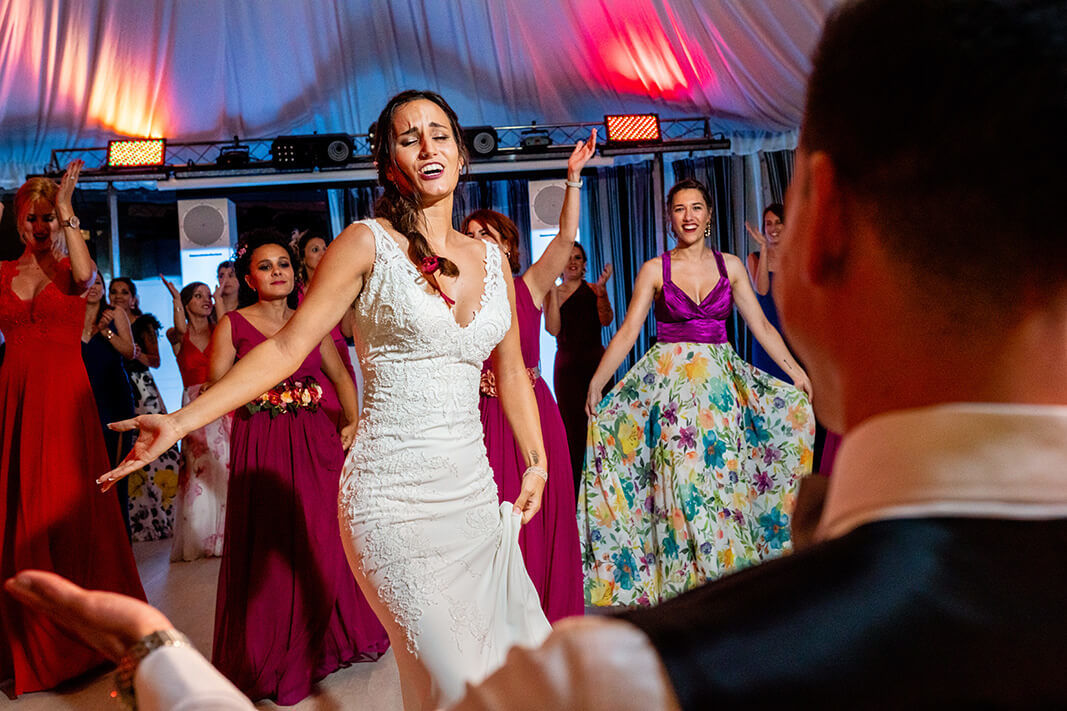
<point x="208" y="223"/>
<point x="546" y="200"/>
<point x="208" y="232"/>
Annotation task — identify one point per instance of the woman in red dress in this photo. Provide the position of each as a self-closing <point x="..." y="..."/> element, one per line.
<point x="50" y="441"/>
<point x="200" y="505"/>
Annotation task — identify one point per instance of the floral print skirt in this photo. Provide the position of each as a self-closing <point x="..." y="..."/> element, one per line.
<point x="153" y="488"/>
<point x="200" y="504"/>
<point x="692" y="465"/>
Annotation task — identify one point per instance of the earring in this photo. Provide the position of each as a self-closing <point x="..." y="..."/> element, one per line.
<point x="707" y="231"/>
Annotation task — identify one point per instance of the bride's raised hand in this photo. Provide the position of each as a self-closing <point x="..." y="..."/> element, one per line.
<point x="528" y="502"/>
<point x="157" y="434"/>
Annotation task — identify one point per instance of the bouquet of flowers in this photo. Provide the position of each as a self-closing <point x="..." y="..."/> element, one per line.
<point x="288" y="396"/>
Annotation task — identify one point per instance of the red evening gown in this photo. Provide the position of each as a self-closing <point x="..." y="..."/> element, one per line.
<point x="51" y="451"/>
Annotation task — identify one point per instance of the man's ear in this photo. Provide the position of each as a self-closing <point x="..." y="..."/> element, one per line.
<point x="829" y="234"/>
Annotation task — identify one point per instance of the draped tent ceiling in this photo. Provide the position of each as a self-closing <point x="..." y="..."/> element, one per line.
<point x="76" y="73"/>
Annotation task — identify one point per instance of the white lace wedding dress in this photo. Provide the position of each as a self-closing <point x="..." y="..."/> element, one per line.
<point x="430" y="546"/>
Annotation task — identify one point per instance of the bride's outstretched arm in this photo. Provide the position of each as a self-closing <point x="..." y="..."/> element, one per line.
<point x="338" y="281"/>
<point x="520" y="407"/>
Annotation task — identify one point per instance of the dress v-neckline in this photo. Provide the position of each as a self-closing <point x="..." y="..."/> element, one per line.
<point x="13" y="272"/>
<point x="419" y="276"/>
<point x="690" y="299"/>
<point x="253" y="326"/>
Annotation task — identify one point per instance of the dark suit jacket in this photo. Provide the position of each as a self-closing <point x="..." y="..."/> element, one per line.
<point x="940" y="612"/>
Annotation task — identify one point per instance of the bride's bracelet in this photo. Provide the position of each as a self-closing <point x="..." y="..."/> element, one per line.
<point x="539" y="471"/>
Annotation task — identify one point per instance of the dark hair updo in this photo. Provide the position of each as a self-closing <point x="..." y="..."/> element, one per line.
<point x="400" y="208"/>
<point x="186" y="295"/>
<point x="775" y="208"/>
<point x="689" y="184"/>
<point x="246" y="245"/>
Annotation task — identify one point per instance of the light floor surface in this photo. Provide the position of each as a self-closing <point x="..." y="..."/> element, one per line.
<point x="185" y="592"/>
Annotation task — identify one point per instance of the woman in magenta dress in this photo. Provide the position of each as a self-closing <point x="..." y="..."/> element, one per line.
<point x="50" y="440"/>
<point x="310" y="249"/>
<point x="288" y="611"/>
<point x="549" y="542"/>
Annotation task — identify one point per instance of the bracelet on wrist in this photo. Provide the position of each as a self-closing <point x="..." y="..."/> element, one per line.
<point x="574" y="183"/>
<point x="537" y="471"/>
<point x="127" y="668"/>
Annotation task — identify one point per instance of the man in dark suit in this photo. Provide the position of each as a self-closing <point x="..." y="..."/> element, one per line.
<point x="923" y="281"/>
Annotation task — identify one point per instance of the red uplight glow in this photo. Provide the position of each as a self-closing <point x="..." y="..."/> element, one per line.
<point x="630" y="128"/>
<point x="135" y="152"/>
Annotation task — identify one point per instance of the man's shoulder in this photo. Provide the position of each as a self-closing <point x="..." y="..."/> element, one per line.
<point x="908" y="593"/>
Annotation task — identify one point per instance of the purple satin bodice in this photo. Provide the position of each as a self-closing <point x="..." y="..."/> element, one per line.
<point x="680" y="319"/>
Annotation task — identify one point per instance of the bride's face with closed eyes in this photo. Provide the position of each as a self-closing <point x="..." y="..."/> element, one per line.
<point x="426" y="157"/>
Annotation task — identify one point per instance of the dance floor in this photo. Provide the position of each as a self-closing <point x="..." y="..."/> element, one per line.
<point x="186" y="593"/>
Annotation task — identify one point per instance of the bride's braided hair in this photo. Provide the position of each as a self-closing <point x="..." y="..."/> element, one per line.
<point x="400" y="207"/>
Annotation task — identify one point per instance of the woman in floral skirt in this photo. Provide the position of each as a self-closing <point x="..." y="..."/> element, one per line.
<point x="152" y="489"/>
<point x="694" y="456"/>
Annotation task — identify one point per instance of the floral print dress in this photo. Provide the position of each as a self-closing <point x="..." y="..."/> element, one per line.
<point x="152" y="488"/>
<point x="693" y="460"/>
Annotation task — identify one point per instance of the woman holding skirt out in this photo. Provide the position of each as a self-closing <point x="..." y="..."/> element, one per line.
<point x="694" y="456"/>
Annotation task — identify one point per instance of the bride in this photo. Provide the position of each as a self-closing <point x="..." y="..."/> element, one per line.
<point x="429" y="545"/>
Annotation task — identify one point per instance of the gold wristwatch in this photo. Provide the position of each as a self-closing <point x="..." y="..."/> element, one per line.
<point x="124" y="692"/>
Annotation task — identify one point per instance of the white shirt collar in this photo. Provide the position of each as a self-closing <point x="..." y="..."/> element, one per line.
<point x="964" y="459"/>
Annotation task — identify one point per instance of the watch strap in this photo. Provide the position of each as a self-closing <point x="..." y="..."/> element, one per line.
<point x="127" y="668"/>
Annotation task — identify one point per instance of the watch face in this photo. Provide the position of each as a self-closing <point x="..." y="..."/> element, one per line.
<point x="74" y="222"/>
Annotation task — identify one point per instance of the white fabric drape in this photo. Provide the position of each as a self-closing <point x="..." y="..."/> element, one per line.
<point x="79" y="72"/>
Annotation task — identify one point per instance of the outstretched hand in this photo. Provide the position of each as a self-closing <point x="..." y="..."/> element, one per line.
<point x="158" y="433"/>
<point x="529" y="500"/>
<point x="108" y="622"/>
<point x="583" y="151"/>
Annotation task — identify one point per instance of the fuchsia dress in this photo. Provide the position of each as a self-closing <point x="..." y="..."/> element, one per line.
<point x="694" y="459"/>
<point x="549" y="542"/>
<point x="288" y="611"/>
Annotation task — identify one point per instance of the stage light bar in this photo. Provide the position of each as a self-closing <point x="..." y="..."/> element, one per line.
<point x="136" y="152"/>
<point x="632" y="128"/>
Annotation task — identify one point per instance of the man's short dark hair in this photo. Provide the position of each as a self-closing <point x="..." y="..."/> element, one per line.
<point x="948" y="118"/>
